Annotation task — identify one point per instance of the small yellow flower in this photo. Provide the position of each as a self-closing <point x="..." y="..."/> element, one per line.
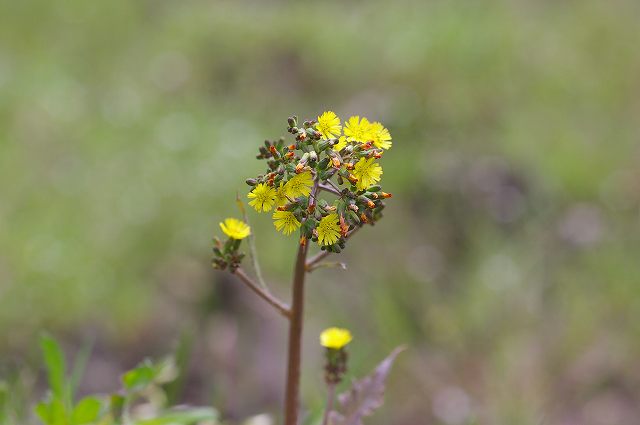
<point x="285" y="222"/>
<point x="357" y="130"/>
<point x="235" y="229"/>
<point x="263" y="197"/>
<point x="329" y="125"/>
<point x="342" y="143"/>
<point x="328" y="230"/>
<point x="281" y="195"/>
<point x="367" y="172"/>
<point x="335" y="338"/>
<point x="299" y="185"/>
<point x="380" y="136"/>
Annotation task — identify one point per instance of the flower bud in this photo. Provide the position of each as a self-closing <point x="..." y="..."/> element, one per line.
<point x="322" y="165"/>
<point x="353" y="216"/>
<point x="375" y="188"/>
<point x="302" y="135"/>
<point x="251" y="182"/>
<point x="292" y="121"/>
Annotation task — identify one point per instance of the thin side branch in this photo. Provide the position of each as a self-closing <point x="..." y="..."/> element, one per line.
<point x="324" y="254"/>
<point x="252" y="246"/>
<point x="329" y="265"/>
<point x="264" y="294"/>
<point x="329" y="189"/>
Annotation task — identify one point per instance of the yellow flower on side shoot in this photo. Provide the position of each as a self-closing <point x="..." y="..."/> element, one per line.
<point x="342" y="143"/>
<point x="299" y="185"/>
<point x="357" y="130"/>
<point x="235" y="229"/>
<point x="263" y="197"/>
<point x="368" y="173"/>
<point x="281" y="195"/>
<point x="329" y="125"/>
<point x="380" y="136"/>
<point x="335" y="338"/>
<point x="285" y="222"/>
<point x="328" y="230"/>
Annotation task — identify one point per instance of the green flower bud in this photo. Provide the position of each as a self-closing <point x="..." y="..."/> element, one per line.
<point x="323" y="164"/>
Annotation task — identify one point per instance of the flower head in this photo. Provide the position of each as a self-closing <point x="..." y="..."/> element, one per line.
<point x="285" y="222"/>
<point x="357" y="130"/>
<point x="281" y="195"/>
<point x="263" y="197"/>
<point x="328" y="230"/>
<point x="329" y="125"/>
<point x="380" y="136"/>
<point x="235" y="229"/>
<point x="367" y="172"/>
<point x="299" y="185"/>
<point x="335" y="338"/>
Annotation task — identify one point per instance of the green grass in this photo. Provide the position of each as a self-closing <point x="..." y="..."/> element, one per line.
<point x="128" y="127"/>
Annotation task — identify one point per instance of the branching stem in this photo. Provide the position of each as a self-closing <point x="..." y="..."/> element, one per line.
<point x="264" y="294"/>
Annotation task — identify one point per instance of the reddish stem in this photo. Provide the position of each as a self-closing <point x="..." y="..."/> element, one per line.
<point x="292" y="394"/>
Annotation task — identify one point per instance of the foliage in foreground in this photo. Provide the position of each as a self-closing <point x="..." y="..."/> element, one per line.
<point x="141" y="400"/>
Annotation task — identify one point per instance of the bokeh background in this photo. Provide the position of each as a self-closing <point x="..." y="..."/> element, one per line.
<point x="508" y="257"/>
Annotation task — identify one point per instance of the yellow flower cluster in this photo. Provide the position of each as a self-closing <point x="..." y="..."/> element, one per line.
<point x="324" y="149"/>
<point x="335" y="338"/>
<point x="264" y="197"/>
<point x="356" y="129"/>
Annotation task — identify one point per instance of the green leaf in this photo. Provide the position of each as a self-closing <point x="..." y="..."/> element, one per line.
<point x="79" y="366"/>
<point x="86" y="411"/>
<point x="42" y="410"/>
<point x="116" y="405"/>
<point x="52" y="412"/>
<point x="147" y="373"/>
<point x="54" y="361"/>
<point x="140" y="377"/>
<point x="182" y="416"/>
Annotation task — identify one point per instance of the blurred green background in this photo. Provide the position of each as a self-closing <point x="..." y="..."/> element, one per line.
<point x="508" y="257"/>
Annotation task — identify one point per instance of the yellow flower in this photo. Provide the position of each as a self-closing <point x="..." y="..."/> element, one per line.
<point x="357" y="130"/>
<point x="368" y="173"/>
<point x="299" y="185"/>
<point x="342" y="143"/>
<point x="285" y="222"/>
<point x="281" y="195"/>
<point x="235" y="229"/>
<point x="329" y="125"/>
<point x="263" y="197"/>
<point x="335" y="338"/>
<point x="328" y="230"/>
<point x="380" y="136"/>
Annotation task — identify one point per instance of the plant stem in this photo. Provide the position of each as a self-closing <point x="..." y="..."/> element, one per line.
<point x="292" y="393"/>
<point x="263" y="293"/>
<point x="296" y="318"/>
<point x="330" y="398"/>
